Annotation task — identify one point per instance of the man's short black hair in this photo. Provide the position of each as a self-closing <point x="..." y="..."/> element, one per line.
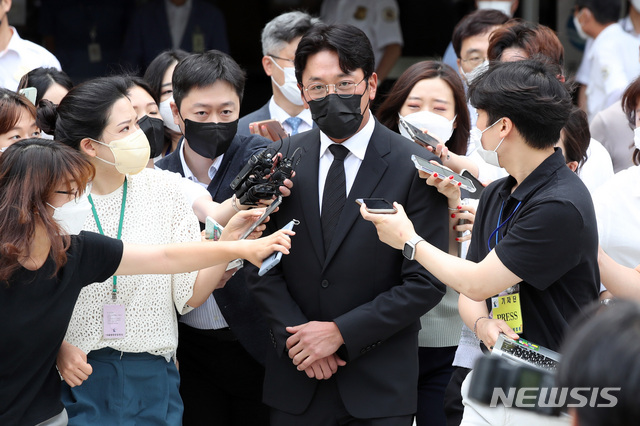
<point x="350" y="43"/>
<point x="476" y="23"/>
<point x="604" y="11"/>
<point x="203" y="70"/>
<point x="528" y="93"/>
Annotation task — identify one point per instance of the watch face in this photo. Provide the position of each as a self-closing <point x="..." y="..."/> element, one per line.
<point x="408" y="251"/>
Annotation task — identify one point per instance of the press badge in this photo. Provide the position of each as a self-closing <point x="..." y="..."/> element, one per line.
<point x="507" y="308"/>
<point x="197" y="41"/>
<point x="113" y="321"/>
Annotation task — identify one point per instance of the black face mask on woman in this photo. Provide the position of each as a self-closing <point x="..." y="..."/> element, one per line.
<point x="153" y="129"/>
<point x="210" y="140"/>
<point x="337" y="117"/>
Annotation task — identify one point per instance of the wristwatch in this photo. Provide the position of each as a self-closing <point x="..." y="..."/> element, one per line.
<point x="409" y="250"/>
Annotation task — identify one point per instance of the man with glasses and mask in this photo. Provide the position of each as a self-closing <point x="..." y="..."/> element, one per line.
<point x="344" y="310"/>
<point x="221" y="343"/>
<point x="280" y="38"/>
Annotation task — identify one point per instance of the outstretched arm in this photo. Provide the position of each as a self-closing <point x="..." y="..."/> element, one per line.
<point x="620" y="280"/>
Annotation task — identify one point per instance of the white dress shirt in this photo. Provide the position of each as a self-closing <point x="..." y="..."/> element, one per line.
<point x="208" y="315"/>
<point x="598" y="168"/>
<point x="20" y="57"/>
<point x="357" y="145"/>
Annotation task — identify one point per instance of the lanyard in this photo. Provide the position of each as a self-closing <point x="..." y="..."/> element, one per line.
<point x="114" y="291"/>
<point x="500" y="225"/>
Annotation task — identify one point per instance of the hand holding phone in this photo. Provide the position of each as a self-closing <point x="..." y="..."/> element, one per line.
<point x="275" y="258"/>
<point x="377" y="205"/>
<point x="428" y="167"/>
<point x="274" y="205"/>
<point x="270" y="129"/>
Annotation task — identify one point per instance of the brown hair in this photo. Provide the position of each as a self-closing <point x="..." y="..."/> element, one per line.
<point x="388" y="111"/>
<point x="30" y="171"/>
<point x="12" y="105"/>
<point x="534" y="39"/>
<point x="630" y="100"/>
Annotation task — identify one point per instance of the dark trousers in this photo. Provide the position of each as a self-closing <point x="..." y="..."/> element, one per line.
<point x="453" y="407"/>
<point x="435" y="373"/>
<point x="220" y="383"/>
<point x="327" y="409"/>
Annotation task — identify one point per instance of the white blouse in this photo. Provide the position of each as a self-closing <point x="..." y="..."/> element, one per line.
<point x="156" y="212"/>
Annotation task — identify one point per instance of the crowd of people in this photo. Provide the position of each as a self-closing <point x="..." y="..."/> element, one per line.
<point x="120" y="311"/>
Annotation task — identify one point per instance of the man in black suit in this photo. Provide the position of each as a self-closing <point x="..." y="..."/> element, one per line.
<point x="342" y="307"/>
<point x="280" y="38"/>
<point x="222" y="343"/>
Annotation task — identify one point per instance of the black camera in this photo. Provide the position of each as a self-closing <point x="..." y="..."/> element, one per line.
<point x="496" y="380"/>
<point x="262" y="176"/>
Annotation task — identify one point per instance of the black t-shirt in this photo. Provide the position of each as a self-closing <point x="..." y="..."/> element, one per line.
<point x="35" y="310"/>
<point x="551" y="242"/>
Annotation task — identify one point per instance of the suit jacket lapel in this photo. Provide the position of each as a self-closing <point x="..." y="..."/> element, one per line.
<point x="306" y="183"/>
<point x="371" y="171"/>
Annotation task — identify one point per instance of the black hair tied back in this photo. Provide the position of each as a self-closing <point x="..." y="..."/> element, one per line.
<point x="47" y="116"/>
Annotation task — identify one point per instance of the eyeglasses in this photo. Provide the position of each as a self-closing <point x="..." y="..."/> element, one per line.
<point x="475" y="61"/>
<point x="344" y="89"/>
<point x="74" y="192"/>
<point x="282" y="59"/>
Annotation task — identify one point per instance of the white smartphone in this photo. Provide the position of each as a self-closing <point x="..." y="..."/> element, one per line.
<point x="377" y="205"/>
<point x="30" y="93"/>
<point x="428" y="167"/>
<point x="212" y="229"/>
<point x="262" y="218"/>
<point x="275" y="258"/>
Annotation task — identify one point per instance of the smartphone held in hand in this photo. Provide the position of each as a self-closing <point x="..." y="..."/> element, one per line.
<point x="377" y="205"/>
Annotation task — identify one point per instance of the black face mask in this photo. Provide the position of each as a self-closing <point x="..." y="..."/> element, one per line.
<point x="337" y="117"/>
<point x="153" y="128"/>
<point x="210" y="139"/>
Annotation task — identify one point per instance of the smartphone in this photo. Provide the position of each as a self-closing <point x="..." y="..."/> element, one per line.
<point x="29" y="93"/>
<point x="236" y="263"/>
<point x="418" y="136"/>
<point x="275" y="129"/>
<point x="274" y="259"/>
<point x="426" y="166"/>
<point x="212" y="229"/>
<point x="262" y="218"/>
<point x="377" y="205"/>
<point x="478" y="185"/>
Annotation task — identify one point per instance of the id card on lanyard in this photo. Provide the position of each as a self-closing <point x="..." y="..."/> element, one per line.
<point x="113" y="315"/>
<point x="506" y="305"/>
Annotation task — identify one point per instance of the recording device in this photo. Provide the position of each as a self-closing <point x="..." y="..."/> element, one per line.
<point x="428" y="167"/>
<point x="29" y="93"/>
<point x="275" y="258"/>
<point x="276" y="131"/>
<point x="476" y="183"/>
<point x="263" y="174"/>
<point x="274" y="205"/>
<point x="213" y="231"/>
<point x="418" y="136"/>
<point x="377" y="205"/>
<point x="495" y="377"/>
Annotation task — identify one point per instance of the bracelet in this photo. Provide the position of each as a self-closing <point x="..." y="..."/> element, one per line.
<point x="452" y="210"/>
<point x="233" y="203"/>
<point x="475" y="326"/>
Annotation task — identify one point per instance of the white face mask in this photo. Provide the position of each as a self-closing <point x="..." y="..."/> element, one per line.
<point x="476" y="72"/>
<point x="636" y="137"/>
<point x="579" y="29"/>
<point x="167" y="115"/>
<point x="131" y="154"/>
<point x="490" y="157"/>
<point x="290" y="88"/>
<point x="44" y="135"/>
<point x="502" y="6"/>
<point x="71" y="215"/>
<point x="3" y="149"/>
<point x="437" y="125"/>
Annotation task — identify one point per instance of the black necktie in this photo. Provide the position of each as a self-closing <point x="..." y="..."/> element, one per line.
<point x="335" y="193"/>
